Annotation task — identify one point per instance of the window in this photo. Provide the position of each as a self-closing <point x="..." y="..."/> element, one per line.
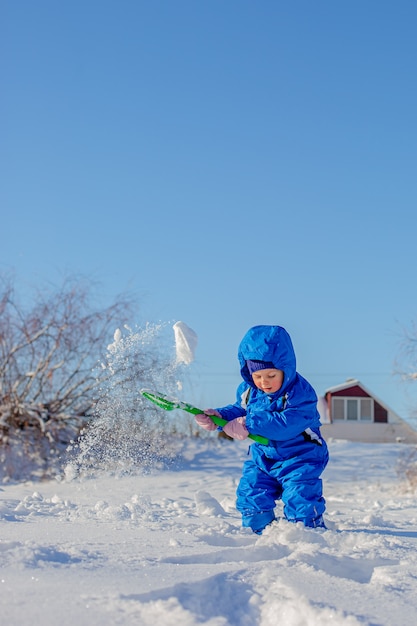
<point x="353" y="409"/>
<point x="366" y="409"/>
<point x="338" y="408"/>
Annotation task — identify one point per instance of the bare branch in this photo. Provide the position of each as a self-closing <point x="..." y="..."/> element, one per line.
<point x="48" y="357"/>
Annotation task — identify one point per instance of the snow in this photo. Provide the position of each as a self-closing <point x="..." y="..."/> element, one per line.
<point x="166" y="546"/>
<point x="185" y="343"/>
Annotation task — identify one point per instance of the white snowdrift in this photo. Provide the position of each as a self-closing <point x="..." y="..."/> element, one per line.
<point x="167" y="548"/>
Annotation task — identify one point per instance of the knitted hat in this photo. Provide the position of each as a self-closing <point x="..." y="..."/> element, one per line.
<point x="254" y="366"/>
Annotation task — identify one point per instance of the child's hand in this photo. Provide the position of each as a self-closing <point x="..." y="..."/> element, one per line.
<point x="236" y="429"/>
<point x="204" y="421"/>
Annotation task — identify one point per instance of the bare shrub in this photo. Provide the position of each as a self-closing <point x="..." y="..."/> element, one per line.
<point x="406" y="366"/>
<point x="49" y="382"/>
<point x="407" y="468"/>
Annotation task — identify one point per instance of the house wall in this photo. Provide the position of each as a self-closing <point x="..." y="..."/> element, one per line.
<point x="369" y="433"/>
<point x="355" y="392"/>
<point x="380" y="414"/>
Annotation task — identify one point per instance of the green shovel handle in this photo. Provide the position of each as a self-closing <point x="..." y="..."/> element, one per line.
<point x="168" y="405"/>
<point x="219" y="421"/>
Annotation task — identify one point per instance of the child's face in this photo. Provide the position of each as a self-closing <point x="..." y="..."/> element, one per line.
<point x="269" y="380"/>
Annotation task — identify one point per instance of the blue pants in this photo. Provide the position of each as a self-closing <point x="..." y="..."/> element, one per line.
<point x="295" y="480"/>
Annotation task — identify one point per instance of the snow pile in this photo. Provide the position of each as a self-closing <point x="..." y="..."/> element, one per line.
<point x="185" y="343"/>
<point x="168" y="548"/>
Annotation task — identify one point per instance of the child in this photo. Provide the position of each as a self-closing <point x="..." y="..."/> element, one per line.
<point x="278" y="403"/>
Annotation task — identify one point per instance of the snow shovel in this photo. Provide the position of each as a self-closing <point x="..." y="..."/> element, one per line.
<point x="169" y="404"/>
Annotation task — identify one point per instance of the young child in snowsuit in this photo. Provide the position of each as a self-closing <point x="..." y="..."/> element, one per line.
<point x="276" y="402"/>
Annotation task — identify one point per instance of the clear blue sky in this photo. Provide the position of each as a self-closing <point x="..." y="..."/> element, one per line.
<point x="231" y="162"/>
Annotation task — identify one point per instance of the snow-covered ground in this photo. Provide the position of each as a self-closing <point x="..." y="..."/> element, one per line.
<point x="167" y="547"/>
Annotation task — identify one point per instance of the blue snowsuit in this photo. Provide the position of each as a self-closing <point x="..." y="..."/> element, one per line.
<point x="289" y="467"/>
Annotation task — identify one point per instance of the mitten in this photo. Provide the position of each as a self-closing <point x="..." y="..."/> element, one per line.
<point x="236" y="429"/>
<point x="204" y="421"/>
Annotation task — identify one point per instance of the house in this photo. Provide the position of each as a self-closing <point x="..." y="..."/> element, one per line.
<point x="350" y="411"/>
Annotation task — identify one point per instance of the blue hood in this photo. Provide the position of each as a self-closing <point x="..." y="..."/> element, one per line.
<point x="268" y="343"/>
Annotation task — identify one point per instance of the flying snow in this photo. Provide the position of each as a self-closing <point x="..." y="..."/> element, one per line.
<point x="185" y="343"/>
<point x="117" y="337"/>
<point x="124" y="431"/>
